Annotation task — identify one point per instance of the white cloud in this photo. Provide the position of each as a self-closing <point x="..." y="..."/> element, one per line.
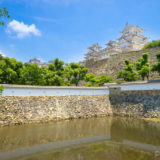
<point x="22" y="30"/>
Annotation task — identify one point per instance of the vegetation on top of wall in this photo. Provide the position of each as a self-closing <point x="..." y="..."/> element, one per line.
<point x="156" y="65"/>
<point x="142" y="67"/>
<point x="57" y="73"/>
<point x="1" y="90"/>
<point x="152" y="44"/>
<point x="128" y="74"/>
<point x="97" y="81"/>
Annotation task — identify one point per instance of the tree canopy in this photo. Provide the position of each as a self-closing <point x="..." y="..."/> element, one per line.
<point x="97" y="81"/>
<point x="128" y="74"/>
<point x="152" y="44"/>
<point x="156" y="65"/>
<point x="142" y="66"/>
<point x="3" y="14"/>
<point x="1" y="89"/>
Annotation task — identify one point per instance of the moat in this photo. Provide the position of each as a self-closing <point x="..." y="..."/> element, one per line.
<point x="105" y="138"/>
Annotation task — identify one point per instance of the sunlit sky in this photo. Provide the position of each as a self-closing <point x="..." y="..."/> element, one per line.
<point x="47" y="29"/>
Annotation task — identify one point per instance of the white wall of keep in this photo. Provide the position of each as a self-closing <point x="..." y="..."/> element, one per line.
<point x="52" y="92"/>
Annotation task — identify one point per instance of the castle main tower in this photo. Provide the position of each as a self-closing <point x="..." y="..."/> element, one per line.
<point x="132" y="39"/>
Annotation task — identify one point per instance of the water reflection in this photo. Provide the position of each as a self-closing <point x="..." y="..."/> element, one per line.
<point x="97" y="138"/>
<point x="29" y="135"/>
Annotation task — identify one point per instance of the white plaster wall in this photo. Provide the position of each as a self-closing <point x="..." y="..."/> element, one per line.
<point x="52" y="92"/>
<point x="18" y="91"/>
<point x="146" y="86"/>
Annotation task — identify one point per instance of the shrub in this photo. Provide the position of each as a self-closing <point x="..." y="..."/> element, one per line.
<point x="152" y="44"/>
<point x="1" y="89"/>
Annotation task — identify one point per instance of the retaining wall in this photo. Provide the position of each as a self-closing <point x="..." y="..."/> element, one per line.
<point x="135" y="103"/>
<point x="138" y="99"/>
<point x="31" y="109"/>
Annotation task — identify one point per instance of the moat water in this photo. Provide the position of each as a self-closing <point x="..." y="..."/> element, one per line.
<point x="106" y="138"/>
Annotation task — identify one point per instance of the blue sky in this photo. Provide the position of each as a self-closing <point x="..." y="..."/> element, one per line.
<point x="47" y="29"/>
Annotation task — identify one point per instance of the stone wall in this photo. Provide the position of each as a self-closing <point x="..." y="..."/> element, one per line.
<point x="114" y="63"/>
<point x="31" y="109"/>
<point x="34" y="109"/>
<point x="135" y="103"/>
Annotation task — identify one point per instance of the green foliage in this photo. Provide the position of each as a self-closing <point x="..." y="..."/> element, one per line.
<point x="3" y="14"/>
<point x="78" y="73"/>
<point x="120" y="80"/>
<point x="10" y="70"/>
<point x="128" y="74"/>
<point x="101" y="80"/>
<point x="152" y="44"/>
<point x="142" y="66"/>
<point x="156" y="66"/>
<point x="90" y="77"/>
<point x="1" y="89"/>
<point x="97" y="81"/>
<point x="31" y="74"/>
<point x="57" y="66"/>
<point x="55" y="74"/>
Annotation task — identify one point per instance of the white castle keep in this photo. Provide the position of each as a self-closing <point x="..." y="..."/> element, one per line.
<point x="131" y="40"/>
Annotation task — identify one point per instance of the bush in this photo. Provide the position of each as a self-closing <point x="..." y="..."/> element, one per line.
<point x="152" y="44"/>
<point x="1" y="89"/>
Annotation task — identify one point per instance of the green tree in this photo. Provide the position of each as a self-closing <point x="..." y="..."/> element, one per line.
<point x="1" y="90"/>
<point x="52" y="79"/>
<point x="152" y="44"/>
<point x="101" y="80"/>
<point x="9" y="70"/>
<point x="79" y="73"/>
<point x="128" y="74"/>
<point x="156" y="65"/>
<point x="57" y="66"/>
<point x="68" y="73"/>
<point x="3" y="14"/>
<point x="142" y="66"/>
<point x="97" y="81"/>
<point x="31" y="74"/>
<point x="90" y="77"/>
<point x="54" y="74"/>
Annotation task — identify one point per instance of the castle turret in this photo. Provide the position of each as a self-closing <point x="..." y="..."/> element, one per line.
<point x="113" y="48"/>
<point x="93" y="52"/>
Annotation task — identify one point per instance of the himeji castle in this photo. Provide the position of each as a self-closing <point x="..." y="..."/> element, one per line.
<point x="132" y="39"/>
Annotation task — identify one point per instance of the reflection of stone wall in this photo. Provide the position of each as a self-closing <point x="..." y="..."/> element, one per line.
<point x="114" y="63"/>
<point x="12" y="138"/>
<point x="136" y="130"/>
<point x="19" y="110"/>
<point x="136" y="103"/>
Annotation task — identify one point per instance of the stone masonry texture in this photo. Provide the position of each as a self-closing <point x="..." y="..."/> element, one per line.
<point x="32" y="109"/>
<point x="136" y="103"/>
<point x="35" y="109"/>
